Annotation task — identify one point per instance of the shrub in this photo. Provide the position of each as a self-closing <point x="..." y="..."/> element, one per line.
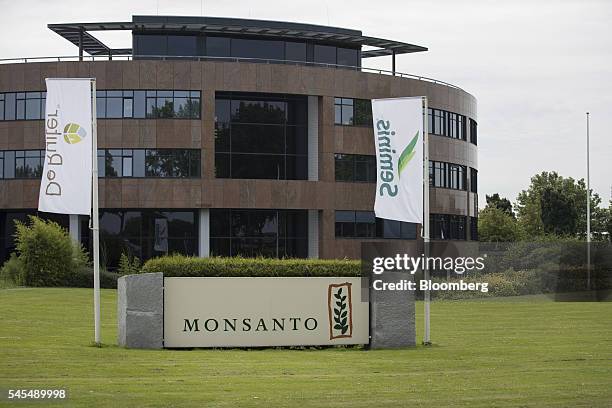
<point x="129" y="265"/>
<point x="12" y="270"/>
<point x="48" y="255"/>
<point x="178" y="265"/>
<point x="84" y="279"/>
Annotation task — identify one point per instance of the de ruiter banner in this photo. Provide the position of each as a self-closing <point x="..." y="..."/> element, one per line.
<point x="398" y="137"/>
<point x="67" y="175"/>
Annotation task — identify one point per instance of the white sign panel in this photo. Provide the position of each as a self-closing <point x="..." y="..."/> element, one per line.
<point x="251" y="312"/>
<point x="398" y="137"/>
<point x="66" y="180"/>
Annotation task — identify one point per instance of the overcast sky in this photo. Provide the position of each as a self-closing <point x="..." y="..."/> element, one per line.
<point x="535" y="66"/>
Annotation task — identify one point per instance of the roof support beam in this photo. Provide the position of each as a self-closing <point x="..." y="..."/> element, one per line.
<point x="393" y="62"/>
<point x="81" y="44"/>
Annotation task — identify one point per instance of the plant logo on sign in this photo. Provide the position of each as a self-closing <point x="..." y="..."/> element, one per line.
<point x="74" y="133"/>
<point x="340" y="310"/>
<point x="407" y="154"/>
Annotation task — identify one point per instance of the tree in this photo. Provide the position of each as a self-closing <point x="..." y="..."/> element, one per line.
<point x="47" y="253"/>
<point x="529" y="205"/>
<point x="558" y="212"/>
<point x="502" y="203"/>
<point x="496" y="225"/>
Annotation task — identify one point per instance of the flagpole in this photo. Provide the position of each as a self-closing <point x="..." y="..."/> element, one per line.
<point x="426" y="295"/>
<point x="588" y="188"/>
<point x="94" y="216"/>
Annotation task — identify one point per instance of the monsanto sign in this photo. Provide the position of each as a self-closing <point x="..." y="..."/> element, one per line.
<point x="253" y="312"/>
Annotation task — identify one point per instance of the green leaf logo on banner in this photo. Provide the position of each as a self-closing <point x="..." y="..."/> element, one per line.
<point x="407" y="154"/>
<point x="74" y="133"/>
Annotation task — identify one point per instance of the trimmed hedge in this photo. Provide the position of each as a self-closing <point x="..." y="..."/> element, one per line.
<point x="178" y="265"/>
<point x="84" y="279"/>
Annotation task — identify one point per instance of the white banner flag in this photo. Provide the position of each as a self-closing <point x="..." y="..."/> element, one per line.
<point x="66" y="180"/>
<point x="398" y="137"/>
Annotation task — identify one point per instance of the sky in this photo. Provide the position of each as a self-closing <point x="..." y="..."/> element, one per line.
<point x="535" y="66"/>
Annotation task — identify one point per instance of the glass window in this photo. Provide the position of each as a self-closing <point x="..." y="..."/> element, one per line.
<point x="139" y="107"/>
<point x="325" y="54"/>
<point x="182" y="45"/>
<point x="147" y="233"/>
<point x="114" y="163"/>
<point x="128" y="107"/>
<point x="355" y="168"/>
<point x="151" y="105"/>
<point x="138" y="163"/>
<point x="101" y="163"/>
<point x="295" y="51"/>
<point x="165" y="104"/>
<point x="114" y="107"/>
<point x="9" y="106"/>
<point x="270" y="233"/>
<point x="255" y="137"/>
<point x="364" y="224"/>
<point x="252" y="138"/>
<point x="348" y="57"/>
<point x="363" y="113"/>
<point x="147" y="44"/>
<point x="350" y="111"/>
<point x="217" y="46"/>
<point x="264" y="49"/>
<point x="20" y="115"/>
<point x="345" y="224"/>
<point x="473" y="131"/>
<point x="100" y="106"/>
<point x="110" y="104"/>
<point x="126" y="163"/>
<point x="33" y="109"/>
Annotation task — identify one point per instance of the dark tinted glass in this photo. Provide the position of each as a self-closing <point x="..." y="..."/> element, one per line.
<point x="258" y="166"/>
<point x="182" y="45"/>
<point x="362" y="112"/>
<point x="259" y="233"/>
<point x="258" y="139"/>
<point x="296" y="167"/>
<point x="297" y="140"/>
<point x="349" y="57"/>
<point x="151" y="45"/>
<point x="222" y="137"/>
<point x="218" y="47"/>
<point x="260" y="143"/>
<point x="265" y="49"/>
<point x="253" y="111"/>
<point x="325" y="54"/>
<point x="344" y="164"/>
<point x="295" y="51"/>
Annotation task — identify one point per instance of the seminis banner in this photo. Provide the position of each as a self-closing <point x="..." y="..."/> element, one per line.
<point x="398" y="137"/>
<point x="67" y="175"/>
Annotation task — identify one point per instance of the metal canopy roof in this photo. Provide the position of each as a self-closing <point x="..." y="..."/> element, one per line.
<point x="219" y="25"/>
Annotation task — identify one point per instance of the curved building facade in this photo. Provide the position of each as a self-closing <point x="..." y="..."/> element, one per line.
<point x="220" y="142"/>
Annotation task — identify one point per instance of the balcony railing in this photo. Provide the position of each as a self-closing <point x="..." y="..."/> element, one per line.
<point x="70" y="58"/>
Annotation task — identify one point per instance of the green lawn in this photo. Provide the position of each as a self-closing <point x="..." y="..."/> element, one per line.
<point x="525" y="351"/>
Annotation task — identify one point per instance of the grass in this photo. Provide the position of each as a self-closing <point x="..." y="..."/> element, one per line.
<point x="524" y="351"/>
